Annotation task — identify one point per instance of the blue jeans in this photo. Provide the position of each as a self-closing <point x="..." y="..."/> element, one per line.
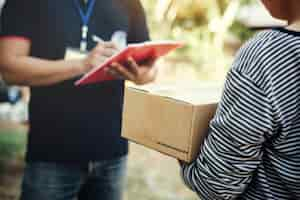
<point x="96" y="181"/>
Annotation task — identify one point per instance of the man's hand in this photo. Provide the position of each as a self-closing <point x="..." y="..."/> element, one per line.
<point x="99" y="55"/>
<point x="139" y="74"/>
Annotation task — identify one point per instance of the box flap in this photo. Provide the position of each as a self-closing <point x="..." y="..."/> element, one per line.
<point x="202" y="93"/>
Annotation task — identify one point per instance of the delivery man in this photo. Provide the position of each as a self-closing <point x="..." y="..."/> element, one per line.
<point x="74" y="147"/>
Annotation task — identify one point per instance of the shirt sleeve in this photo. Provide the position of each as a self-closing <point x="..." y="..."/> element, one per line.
<point x="138" y="28"/>
<point x="16" y="19"/>
<point x="233" y="149"/>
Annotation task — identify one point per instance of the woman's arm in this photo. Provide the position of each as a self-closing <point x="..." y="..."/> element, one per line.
<point x="233" y="149"/>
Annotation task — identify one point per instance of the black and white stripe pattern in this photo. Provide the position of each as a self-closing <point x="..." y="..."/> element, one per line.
<point x="253" y="148"/>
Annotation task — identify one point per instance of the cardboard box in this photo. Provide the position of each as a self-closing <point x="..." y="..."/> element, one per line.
<point x="172" y="120"/>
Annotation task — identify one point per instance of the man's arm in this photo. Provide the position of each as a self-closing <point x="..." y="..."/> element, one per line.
<point x="18" y="68"/>
<point x="232" y="151"/>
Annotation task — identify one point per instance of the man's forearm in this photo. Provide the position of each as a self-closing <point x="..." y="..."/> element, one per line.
<point x="29" y="71"/>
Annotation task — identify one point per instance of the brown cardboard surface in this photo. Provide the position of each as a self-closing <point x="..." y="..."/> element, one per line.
<point x="202" y="116"/>
<point x="189" y="94"/>
<point x="171" y="120"/>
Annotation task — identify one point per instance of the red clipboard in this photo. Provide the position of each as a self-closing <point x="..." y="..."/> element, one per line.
<point x="139" y="52"/>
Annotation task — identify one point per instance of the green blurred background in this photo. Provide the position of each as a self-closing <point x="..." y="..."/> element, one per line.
<point x="210" y="30"/>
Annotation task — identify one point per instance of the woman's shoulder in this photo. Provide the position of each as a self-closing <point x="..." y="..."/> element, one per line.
<point x="265" y="47"/>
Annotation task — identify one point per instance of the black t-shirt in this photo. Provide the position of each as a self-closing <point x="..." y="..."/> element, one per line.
<point x="68" y="123"/>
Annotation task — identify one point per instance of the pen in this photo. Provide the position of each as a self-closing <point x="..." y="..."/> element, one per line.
<point x="119" y="38"/>
<point x="97" y="39"/>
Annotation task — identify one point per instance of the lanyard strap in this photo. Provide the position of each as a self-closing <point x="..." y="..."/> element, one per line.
<point x="85" y="17"/>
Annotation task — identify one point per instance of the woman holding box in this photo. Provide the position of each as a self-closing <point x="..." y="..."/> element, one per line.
<point x="253" y="148"/>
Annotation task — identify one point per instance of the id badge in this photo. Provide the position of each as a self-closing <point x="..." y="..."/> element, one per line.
<point x="73" y="53"/>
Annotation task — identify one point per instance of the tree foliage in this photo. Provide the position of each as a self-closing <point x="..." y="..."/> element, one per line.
<point x="204" y="25"/>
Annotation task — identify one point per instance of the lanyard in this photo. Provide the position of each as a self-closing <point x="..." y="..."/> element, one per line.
<point x="85" y="18"/>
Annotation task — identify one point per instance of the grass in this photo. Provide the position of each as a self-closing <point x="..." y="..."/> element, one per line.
<point x="12" y="144"/>
<point x="12" y="148"/>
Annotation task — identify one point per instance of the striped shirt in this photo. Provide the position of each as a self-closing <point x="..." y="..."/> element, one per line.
<point x="253" y="148"/>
